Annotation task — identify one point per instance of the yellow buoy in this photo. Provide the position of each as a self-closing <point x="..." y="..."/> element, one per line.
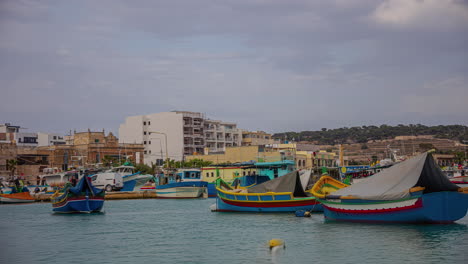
<point x="276" y="243"/>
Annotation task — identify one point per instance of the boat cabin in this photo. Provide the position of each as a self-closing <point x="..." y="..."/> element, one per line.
<point x="179" y="176"/>
<point x="124" y="170"/>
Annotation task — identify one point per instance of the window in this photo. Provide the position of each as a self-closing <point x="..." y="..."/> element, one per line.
<point x="55" y="137"/>
<point x="243" y="173"/>
<point x="144" y="142"/>
<point x="207" y="174"/>
<point x="145" y="152"/>
<point x="149" y="142"/>
<point x="144" y="123"/>
<point x="144" y="133"/>
<point x="149" y="123"/>
<point x="96" y="140"/>
<point x="212" y="174"/>
<point x="149" y="151"/>
<point x="29" y="140"/>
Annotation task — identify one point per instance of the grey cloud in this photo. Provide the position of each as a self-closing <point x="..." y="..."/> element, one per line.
<point x="271" y="65"/>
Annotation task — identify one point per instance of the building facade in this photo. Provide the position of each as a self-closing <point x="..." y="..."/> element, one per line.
<point x="12" y="134"/>
<point x="220" y="135"/>
<point x="50" y="139"/>
<point x="251" y="138"/>
<point x="177" y="134"/>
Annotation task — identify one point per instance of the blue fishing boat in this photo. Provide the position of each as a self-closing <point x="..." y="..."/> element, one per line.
<point x="413" y="191"/>
<point x="132" y="180"/>
<point x="283" y="194"/>
<point x="82" y="198"/>
<point x="186" y="183"/>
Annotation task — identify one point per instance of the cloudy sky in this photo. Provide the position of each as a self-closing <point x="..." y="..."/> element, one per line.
<point x="267" y="65"/>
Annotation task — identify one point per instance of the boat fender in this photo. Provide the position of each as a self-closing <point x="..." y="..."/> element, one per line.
<point x="276" y="243"/>
<point x="303" y="213"/>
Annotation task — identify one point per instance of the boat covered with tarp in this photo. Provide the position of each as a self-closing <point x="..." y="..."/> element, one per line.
<point x="414" y="191"/>
<point x="82" y="198"/>
<point x="283" y="194"/>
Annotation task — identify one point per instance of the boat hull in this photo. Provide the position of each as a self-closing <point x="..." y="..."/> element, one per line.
<point x="23" y="197"/>
<point x="311" y="204"/>
<point x="79" y="204"/>
<point x="459" y="180"/>
<point x="181" y="190"/>
<point x="437" y="207"/>
<point x="211" y="189"/>
<point x="134" y="183"/>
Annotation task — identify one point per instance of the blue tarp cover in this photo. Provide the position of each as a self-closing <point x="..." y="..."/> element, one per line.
<point x="84" y="184"/>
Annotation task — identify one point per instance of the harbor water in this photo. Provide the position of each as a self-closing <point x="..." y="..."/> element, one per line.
<point x="186" y="231"/>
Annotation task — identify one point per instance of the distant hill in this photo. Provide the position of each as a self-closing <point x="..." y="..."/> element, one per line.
<point x="363" y="134"/>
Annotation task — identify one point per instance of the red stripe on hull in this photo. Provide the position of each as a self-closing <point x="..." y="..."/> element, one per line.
<point x="271" y="204"/>
<point x="418" y="204"/>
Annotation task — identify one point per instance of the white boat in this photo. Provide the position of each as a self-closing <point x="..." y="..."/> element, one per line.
<point x="132" y="180"/>
<point x="185" y="184"/>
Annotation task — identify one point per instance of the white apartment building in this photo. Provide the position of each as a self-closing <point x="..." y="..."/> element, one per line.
<point x="50" y="139"/>
<point x="10" y="134"/>
<point x="219" y="135"/>
<point x="186" y="133"/>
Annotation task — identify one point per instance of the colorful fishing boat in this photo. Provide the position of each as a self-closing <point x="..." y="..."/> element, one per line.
<point x="283" y="194"/>
<point x="459" y="179"/>
<point x="186" y="183"/>
<point x="248" y="173"/>
<point x="20" y="197"/>
<point x="82" y="198"/>
<point x="413" y="191"/>
<point x="325" y="186"/>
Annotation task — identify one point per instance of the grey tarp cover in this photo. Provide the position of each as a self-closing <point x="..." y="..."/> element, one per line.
<point x="394" y="183"/>
<point x="290" y="182"/>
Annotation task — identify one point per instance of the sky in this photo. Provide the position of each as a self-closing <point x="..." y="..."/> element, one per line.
<point x="267" y="65"/>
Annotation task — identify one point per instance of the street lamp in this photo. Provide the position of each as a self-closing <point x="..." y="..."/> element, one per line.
<point x="165" y="138"/>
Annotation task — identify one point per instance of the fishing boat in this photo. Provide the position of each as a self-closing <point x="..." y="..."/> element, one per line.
<point x="20" y="197"/>
<point x="326" y="185"/>
<point x="459" y="179"/>
<point x="245" y="173"/>
<point x="82" y="198"/>
<point x="413" y="191"/>
<point x="132" y="180"/>
<point x="283" y="194"/>
<point x="186" y="183"/>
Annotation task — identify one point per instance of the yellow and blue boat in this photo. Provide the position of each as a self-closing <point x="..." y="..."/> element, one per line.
<point x="283" y="194"/>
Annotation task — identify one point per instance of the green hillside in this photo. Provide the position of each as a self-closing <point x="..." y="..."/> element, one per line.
<point x="362" y="134"/>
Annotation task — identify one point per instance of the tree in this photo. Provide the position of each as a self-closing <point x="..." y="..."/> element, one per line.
<point x="426" y="146"/>
<point x="144" y="169"/>
<point x="11" y="166"/>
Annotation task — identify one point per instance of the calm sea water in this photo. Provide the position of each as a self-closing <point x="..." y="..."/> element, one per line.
<point x="185" y="231"/>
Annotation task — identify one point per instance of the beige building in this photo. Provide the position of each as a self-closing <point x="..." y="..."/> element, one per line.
<point x="303" y="159"/>
<point x="252" y="138"/>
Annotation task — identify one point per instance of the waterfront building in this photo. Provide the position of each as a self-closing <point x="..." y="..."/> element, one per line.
<point x="12" y="134"/>
<point x="221" y="135"/>
<point x="226" y="172"/>
<point x="50" y="139"/>
<point x="91" y="147"/>
<point x="242" y="154"/>
<point x="177" y="134"/>
<point x="250" y="138"/>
